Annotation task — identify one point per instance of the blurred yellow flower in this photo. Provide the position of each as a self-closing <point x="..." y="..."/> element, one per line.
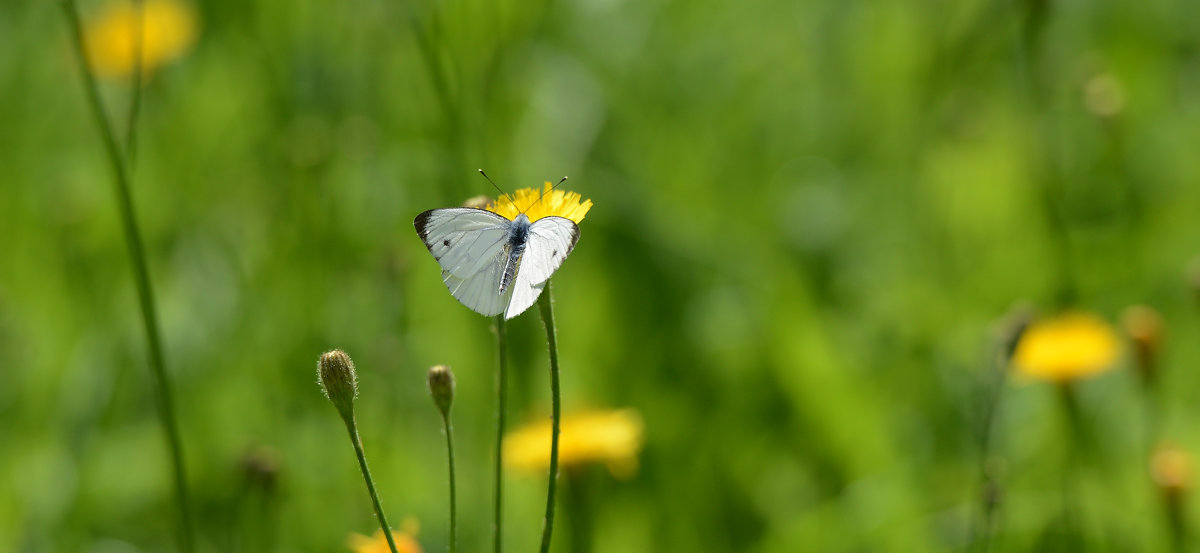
<point x="1066" y="347"/>
<point x="553" y="202"/>
<point x="168" y="31"/>
<point x="610" y="437"/>
<point x="405" y="541"/>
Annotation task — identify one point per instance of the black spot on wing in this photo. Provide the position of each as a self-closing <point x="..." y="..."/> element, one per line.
<point x="445" y="242"/>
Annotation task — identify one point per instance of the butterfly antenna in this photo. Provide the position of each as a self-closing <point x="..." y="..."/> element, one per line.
<point x="543" y="195"/>
<point x="498" y="189"/>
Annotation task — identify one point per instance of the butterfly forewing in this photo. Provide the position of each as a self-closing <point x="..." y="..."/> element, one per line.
<point x="462" y="239"/>
<point x="550" y="240"/>
<point x="470" y="245"/>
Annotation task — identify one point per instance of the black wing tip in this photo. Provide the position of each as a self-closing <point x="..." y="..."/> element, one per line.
<point x="421" y="222"/>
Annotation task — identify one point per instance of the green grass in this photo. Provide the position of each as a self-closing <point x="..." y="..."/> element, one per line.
<point x="808" y="218"/>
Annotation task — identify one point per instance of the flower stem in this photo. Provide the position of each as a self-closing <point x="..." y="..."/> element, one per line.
<point x="1176" y="520"/>
<point x="352" y="428"/>
<point x="135" y="101"/>
<point x="989" y="485"/>
<point x="576" y="498"/>
<point x="502" y="347"/>
<point x="145" y="293"/>
<point x="453" y="493"/>
<point x="1070" y="517"/>
<point x="546" y="305"/>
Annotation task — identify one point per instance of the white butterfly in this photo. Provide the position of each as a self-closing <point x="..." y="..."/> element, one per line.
<point x="491" y="264"/>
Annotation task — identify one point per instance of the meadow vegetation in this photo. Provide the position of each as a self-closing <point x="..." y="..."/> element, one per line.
<point x="859" y="276"/>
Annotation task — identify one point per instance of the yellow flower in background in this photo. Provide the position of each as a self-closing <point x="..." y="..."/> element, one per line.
<point x="377" y="543"/>
<point x="610" y="437"/>
<point x="1066" y="347"/>
<point x="553" y="202"/>
<point x="168" y="31"/>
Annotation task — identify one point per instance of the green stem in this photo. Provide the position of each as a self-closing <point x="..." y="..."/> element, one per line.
<point x="453" y="493"/>
<point x="546" y="305"/>
<point x="1071" y="514"/>
<point x="989" y="487"/>
<point x="135" y="101"/>
<point x="578" y="506"/>
<point x="502" y="346"/>
<point x="352" y="428"/>
<point x="137" y="257"/>
<point x="1176" y="520"/>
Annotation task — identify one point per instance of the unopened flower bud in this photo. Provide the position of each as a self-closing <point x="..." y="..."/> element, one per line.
<point x="1144" y="326"/>
<point x="478" y="202"/>
<point x="441" y="387"/>
<point x="1171" y="468"/>
<point x="339" y="381"/>
<point x="260" y="467"/>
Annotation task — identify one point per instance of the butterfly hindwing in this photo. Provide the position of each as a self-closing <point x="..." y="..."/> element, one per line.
<point x="551" y="239"/>
<point x="479" y="291"/>
<point x="471" y="246"/>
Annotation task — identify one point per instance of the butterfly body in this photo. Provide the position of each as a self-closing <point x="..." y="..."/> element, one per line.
<point x="491" y="264"/>
<point x="518" y="236"/>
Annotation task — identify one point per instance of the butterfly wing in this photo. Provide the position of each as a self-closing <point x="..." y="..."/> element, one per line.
<point x="480" y="291"/>
<point x="471" y="246"/>
<point x="551" y="239"/>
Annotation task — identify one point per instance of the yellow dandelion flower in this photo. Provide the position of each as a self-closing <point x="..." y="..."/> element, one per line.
<point x="405" y="540"/>
<point x="553" y="202"/>
<point x="610" y="437"/>
<point x="168" y="31"/>
<point x="1067" y="347"/>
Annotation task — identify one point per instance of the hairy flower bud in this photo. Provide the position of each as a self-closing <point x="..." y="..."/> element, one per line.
<point x="441" y="387"/>
<point x="338" y="380"/>
<point x="1144" y="326"/>
<point x="478" y="202"/>
<point x="1171" y="469"/>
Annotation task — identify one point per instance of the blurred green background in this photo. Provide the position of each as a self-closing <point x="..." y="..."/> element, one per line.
<point x="809" y="217"/>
